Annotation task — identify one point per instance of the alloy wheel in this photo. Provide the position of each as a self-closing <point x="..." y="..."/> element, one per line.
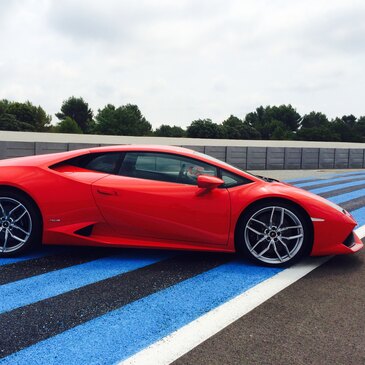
<point x="274" y="235"/>
<point x="15" y="225"/>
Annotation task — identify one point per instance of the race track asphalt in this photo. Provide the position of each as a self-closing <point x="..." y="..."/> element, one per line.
<point x="64" y="305"/>
<point x="320" y="319"/>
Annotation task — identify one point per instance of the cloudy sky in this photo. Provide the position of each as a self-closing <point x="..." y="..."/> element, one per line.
<point x="185" y="59"/>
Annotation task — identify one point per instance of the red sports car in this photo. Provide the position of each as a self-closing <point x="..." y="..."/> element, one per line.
<point x="163" y="197"/>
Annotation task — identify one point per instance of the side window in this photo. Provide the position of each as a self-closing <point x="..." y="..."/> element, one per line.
<point x="164" y="167"/>
<point x="231" y="180"/>
<point x="101" y="162"/>
<point x="144" y="162"/>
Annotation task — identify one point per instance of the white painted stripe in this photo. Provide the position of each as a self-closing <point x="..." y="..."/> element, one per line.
<point x="360" y="231"/>
<point x="193" y="334"/>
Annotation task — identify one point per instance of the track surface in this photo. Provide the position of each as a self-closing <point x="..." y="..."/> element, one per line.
<point x="98" y="306"/>
<point x="317" y="320"/>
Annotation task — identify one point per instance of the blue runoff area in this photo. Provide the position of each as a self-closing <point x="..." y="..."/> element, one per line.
<point x="323" y="176"/>
<point x="123" y="332"/>
<point x="57" y="282"/>
<point x="338" y="199"/>
<point x="323" y="181"/>
<point x="359" y="215"/>
<point x="336" y="187"/>
<point x="46" y="251"/>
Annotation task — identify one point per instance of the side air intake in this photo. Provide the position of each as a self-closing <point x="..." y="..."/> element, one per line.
<point x="86" y="231"/>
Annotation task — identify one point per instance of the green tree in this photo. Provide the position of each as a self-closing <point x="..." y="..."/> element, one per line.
<point x="8" y="122"/>
<point x="345" y="127"/>
<point x="313" y="120"/>
<point x="169" y="131"/>
<point x="321" y="133"/>
<point x="204" y="128"/>
<point x="126" y="120"/>
<point x="360" y="129"/>
<point x="4" y="104"/>
<point x="68" y="125"/>
<point x="79" y="111"/>
<point x="235" y="128"/>
<point x="23" y="116"/>
<point x="316" y="127"/>
<point x="280" y="131"/>
<point x="287" y="115"/>
<point x="265" y="120"/>
<point x="42" y="121"/>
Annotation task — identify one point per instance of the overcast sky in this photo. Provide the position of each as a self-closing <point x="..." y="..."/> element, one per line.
<point x="180" y="60"/>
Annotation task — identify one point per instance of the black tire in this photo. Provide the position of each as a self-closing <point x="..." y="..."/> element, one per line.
<point x="264" y="237"/>
<point x="21" y="230"/>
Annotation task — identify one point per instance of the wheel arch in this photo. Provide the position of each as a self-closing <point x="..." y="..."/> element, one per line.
<point x="272" y="200"/>
<point x="4" y="187"/>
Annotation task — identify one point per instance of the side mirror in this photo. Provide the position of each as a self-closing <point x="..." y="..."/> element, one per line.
<point x="209" y="182"/>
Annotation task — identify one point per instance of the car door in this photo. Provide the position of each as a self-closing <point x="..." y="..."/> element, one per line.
<point x="155" y="195"/>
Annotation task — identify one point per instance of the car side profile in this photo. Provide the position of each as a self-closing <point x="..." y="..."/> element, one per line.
<point x="163" y="197"/>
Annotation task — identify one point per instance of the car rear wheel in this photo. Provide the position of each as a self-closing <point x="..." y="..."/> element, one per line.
<point x="19" y="224"/>
<point x="274" y="234"/>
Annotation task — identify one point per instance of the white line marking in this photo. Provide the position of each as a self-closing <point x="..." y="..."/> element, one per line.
<point x="178" y="343"/>
<point x="360" y="231"/>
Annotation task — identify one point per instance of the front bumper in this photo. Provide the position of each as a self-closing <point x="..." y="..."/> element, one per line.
<point x="352" y="243"/>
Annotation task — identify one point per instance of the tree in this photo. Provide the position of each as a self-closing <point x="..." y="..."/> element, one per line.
<point x="314" y="120"/>
<point x="169" y="131"/>
<point x="280" y="131"/>
<point x="316" y="127"/>
<point x="23" y="116"/>
<point x="345" y="127"/>
<point x="126" y="120"/>
<point x="4" y="104"/>
<point x="287" y="115"/>
<point x="68" y="125"/>
<point x="265" y="120"/>
<point x="42" y="121"/>
<point x="8" y="122"/>
<point x="235" y="128"/>
<point x="321" y="133"/>
<point x="79" y="111"/>
<point x="360" y="129"/>
<point x="203" y="128"/>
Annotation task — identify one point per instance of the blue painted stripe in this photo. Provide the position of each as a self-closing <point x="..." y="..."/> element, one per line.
<point x="46" y="251"/>
<point x="345" y="197"/>
<point x="337" y="187"/>
<point x="325" y="176"/>
<point x="359" y="215"/>
<point x="125" y="331"/>
<point x="320" y="181"/>
<point x="34" y="289"/>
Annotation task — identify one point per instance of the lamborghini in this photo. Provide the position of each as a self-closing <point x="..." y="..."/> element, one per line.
<point x="163" y="197"/>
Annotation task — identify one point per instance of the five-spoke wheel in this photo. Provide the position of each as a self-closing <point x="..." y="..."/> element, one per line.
<point x="18" y="223"/>
<point x="274" y="234"/>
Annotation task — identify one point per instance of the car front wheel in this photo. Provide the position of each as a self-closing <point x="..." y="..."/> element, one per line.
<point x="19" y="224"/>
<point x="274" y="234"/>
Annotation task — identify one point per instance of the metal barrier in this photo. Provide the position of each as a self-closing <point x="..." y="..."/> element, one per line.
<point x="250" y="158"/>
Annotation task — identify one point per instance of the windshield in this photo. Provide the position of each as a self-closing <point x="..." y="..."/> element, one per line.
<point x="213" y="159"/>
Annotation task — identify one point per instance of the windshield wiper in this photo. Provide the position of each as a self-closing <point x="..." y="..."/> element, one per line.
<point x="267" y="179"/>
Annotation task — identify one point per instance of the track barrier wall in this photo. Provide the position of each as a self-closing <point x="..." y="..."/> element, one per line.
<point x="243" y="157"/>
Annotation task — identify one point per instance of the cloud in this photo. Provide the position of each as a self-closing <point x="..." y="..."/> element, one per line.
<point x="185" y="60"/>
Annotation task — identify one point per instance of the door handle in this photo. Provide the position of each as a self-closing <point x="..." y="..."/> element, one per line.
<point x="106" y="192"/>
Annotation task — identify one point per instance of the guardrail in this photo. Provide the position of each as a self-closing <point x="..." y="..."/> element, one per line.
<point x="244" y="157"/>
